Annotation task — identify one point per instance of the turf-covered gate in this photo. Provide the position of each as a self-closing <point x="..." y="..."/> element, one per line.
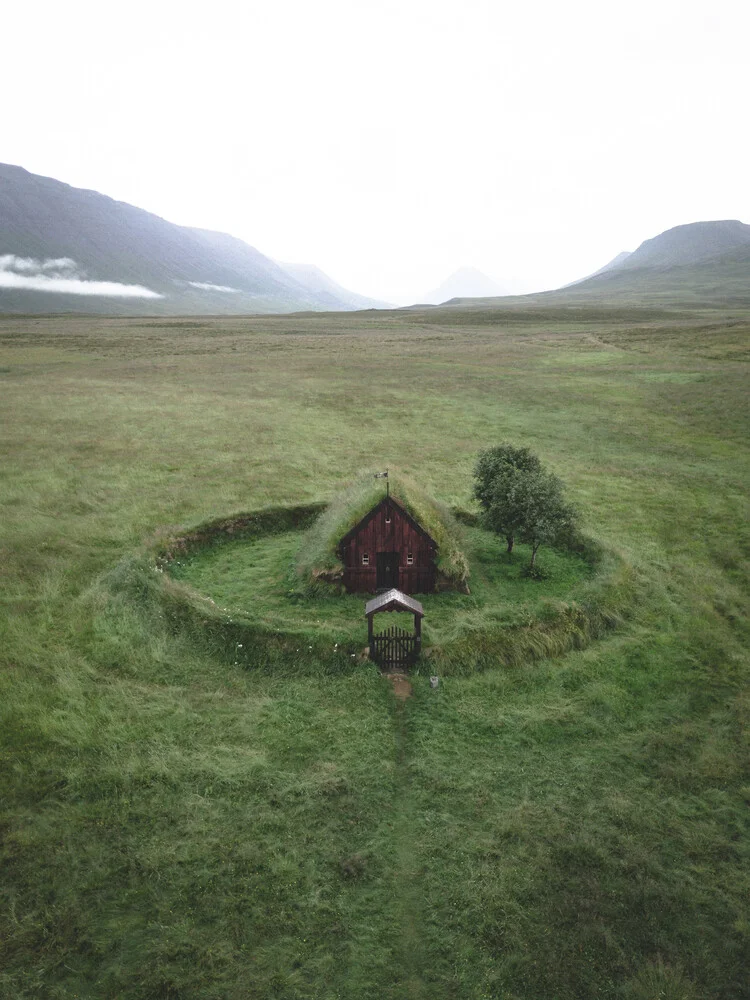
<point x="395" y="648"/>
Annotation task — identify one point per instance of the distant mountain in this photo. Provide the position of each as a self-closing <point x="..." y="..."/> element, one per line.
<point x="707" y="261"/>
<point x="615" y="262"/>
<point x="466" y="282"/>
<point x="317" y="281"/>
<point x="701" y="263"/>
<point x="690" y="244"/>
<point x="68" y="249"/>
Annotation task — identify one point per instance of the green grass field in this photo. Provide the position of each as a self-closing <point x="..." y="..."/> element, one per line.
<point x="257" y="575"/>
<point x="178" y="826"/>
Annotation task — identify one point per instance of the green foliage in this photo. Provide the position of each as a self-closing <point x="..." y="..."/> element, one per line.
<point x="318" y="560"/>
<point x="539" y="509"/>
<point x="535" y="572"/>
<point x="521" y="499"/>
<point x="496" y="463"/>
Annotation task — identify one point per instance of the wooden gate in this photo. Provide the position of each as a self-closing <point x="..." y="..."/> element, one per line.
<point x="395" y="648"/>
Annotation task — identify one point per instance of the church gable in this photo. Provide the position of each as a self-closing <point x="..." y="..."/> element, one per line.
<point x="388" y="548"/>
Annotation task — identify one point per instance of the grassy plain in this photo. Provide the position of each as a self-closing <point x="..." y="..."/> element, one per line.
<point x="177" y="827"/>
<point x="258" y="574"/>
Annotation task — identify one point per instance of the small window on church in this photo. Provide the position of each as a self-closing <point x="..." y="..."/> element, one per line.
<point x="409" y="559"/>
<point x="365" y="558"/>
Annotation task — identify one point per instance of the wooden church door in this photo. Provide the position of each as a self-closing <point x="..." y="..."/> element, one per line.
<point x="387" y="570"/>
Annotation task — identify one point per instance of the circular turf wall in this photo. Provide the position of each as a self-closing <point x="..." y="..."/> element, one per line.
<point x="242" y="637"/>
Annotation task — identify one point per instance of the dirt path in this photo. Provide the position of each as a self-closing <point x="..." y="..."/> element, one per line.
<point x="401" y="686"/>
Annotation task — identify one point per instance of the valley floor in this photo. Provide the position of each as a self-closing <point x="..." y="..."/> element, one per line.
<point x="176" y="826"/>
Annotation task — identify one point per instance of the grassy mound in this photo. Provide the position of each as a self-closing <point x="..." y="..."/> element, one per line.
<point x="318" y="563"/>
<point x="230" y="587"/>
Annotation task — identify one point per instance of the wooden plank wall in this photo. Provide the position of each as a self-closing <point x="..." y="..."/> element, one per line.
<point x="400" y="536"/>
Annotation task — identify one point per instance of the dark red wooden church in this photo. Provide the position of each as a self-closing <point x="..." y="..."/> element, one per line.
<point x="387" y="549"/>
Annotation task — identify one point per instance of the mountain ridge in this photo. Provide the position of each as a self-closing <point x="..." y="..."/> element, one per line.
<point x="464" y="282"/>
<point x="107" y="243"/>
<point x="689" y="243"/>
<point x="609" y="266"/>
<point x="705" y="260"/>
<point x="696" y="262"/>
<point x="317" y="280"/>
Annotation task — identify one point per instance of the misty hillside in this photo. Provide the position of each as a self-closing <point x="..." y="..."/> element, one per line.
<point x="466" y="282"/>
<point x="609" y="266"/>
<point x="708" y="261"/>
<point x="68" y="249"/>
<point x="701" y="262"/>
<point x="315" y="280"/>
<point x="690" y="244"/>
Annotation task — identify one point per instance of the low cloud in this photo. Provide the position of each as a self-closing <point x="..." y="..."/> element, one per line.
<point x="206" y="286"/>
<point x="61" y="274"/>
<point x="57" y="266"/>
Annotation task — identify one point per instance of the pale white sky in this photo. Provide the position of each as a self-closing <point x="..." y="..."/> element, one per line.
<point x="392" y="142"/>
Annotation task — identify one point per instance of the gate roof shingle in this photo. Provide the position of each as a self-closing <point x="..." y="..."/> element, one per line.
<point x="391" y="600"/>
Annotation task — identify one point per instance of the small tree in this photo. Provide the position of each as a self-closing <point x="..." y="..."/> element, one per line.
<point x="496" y="469"/>
<point x="522" y="500"/>
<point x="543" y="512"/>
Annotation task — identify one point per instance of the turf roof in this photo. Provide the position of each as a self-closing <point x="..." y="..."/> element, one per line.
<point x="319" y="560"/>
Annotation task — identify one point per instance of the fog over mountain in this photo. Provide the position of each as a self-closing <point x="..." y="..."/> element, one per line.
<point x="68" y="249"/>
<point x="312" y="278"/>
<point x="696" y="262"/>
<point x="692" y="243"/>
<point x="465" y="282"/>
<point x="609" y="266"/>
<point x="708" y="260"/>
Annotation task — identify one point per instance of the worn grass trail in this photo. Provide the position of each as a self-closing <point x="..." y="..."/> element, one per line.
<point x="411" y="957"/>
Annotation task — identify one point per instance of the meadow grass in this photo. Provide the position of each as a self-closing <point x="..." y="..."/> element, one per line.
<point x="257" y="577"/>
<point x="178" y="826"/>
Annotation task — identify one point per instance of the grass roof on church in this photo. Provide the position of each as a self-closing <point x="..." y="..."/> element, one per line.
<point x="318" y="557"/>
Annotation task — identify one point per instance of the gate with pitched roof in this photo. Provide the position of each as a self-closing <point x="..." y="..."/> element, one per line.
<point x="394" y="648"/>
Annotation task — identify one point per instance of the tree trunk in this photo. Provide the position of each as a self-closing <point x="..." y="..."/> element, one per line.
<point x="509" y="539"/>
<point x="533" y="554"/>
